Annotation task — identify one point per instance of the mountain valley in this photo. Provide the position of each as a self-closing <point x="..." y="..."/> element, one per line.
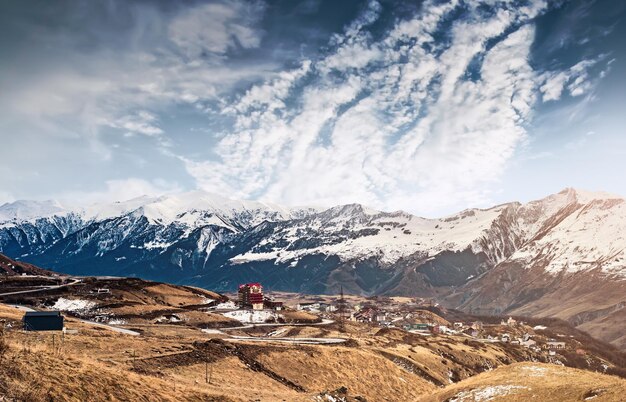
<point x="562" y="256"/>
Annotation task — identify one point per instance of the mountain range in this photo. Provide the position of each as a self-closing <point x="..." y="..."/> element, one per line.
<point x="561" y="256"/>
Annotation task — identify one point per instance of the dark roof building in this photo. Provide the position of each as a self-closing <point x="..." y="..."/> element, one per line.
<point x="43" y="321"/>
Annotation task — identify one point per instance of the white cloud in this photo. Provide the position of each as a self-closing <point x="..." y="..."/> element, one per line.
<point x="423" y="117"/>
<point x="6" y="197"/>
<point x="576" y="80"/>
<point x="214" y="28"/>
<point x="119" y="190"/>
<point x="394" y="123"/>
<point x="124" y="88"/>
<point x="142" y="122"/>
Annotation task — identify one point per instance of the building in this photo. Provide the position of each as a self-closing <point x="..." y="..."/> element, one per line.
<point x="552" y="344"/>
<point x="309" y="306"/>
<point x="416" y="327"/>
<point x="528" y="342"/>
<point x="272" y="304"/>
<point x="251" y="296"/>
<point x="43" y="321"/>
<point x="364" y="315"/>
<point x="477" y="325"/>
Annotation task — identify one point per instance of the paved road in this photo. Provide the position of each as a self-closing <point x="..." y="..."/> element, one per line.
<point x="292" y="340"/>
<point x="42" y="289"/>
<point x="268" y="324"/>
<point x="302" y="341"/>
<point x="21" y="308"/>
<point x="109" y="327"/>
<point x="310" y="341"/>
<point x="97" y="324"/>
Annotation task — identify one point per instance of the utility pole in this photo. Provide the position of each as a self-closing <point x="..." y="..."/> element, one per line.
<point x="341" y="310"/>
<point x="206" y="366"/>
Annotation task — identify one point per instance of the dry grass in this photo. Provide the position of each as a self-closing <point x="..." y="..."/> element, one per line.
<point x="362" y="372"/>
<point x="522" y="382"/>
<point x="178" y="296"/>
<point x="231" y="377"/>
<point x="299" y="316"/>
<point x="167" y="361"/>
<point x="38" y="372"/>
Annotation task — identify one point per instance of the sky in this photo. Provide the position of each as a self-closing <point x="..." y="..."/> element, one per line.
<point x="430" y="107"/>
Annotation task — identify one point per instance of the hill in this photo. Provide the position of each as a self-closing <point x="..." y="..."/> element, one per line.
<point x="561" y="256"/>
<point x="533" y="381"/>
<point x="10" y="267"/>
<point x="130" y="339"/>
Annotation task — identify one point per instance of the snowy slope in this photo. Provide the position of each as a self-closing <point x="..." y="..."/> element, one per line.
<point x="23" y="210"/>
<point x="197" y="231"/>
<point x="588" y="231"/>
<point x="563" y="255"/>
<point x="353" y="231"/>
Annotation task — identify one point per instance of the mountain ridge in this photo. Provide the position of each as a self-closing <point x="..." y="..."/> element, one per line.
<point x="508" y="258"/>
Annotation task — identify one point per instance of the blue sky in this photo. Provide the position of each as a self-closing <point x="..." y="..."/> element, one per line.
<point x="430" y="107"/>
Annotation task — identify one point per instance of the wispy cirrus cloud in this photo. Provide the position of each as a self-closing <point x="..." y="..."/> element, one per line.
<point x="396" y="105"/>
<point x="173" y="56"/>
<point x="423" y="117"/>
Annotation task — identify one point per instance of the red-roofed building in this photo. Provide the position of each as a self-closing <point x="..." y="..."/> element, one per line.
<point x="251" y="296"/>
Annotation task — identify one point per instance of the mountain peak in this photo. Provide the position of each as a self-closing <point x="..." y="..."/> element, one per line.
<point x="586" y="196"/>
<point x="29" y="209"/>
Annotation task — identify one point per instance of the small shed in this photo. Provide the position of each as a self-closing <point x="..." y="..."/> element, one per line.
<point x="43" y="321"/>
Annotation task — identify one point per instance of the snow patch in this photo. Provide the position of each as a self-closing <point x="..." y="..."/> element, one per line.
<point x="229" y="305"/>
<point x="535" y="371"/>
<point x="73" y="305"/>
<point x="117" y="321"/>
<point x="252" y="316"/>
<point x="486" y="393"/>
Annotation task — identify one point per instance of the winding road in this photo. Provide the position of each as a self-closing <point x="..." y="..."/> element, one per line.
<point x="232" y="338"/>
<point x="43" y="288"/>
<point x="299" y="341"/>
<point x="75" y="281"/>
<point x="292" y="340"/>
<point x="269" y="324"/>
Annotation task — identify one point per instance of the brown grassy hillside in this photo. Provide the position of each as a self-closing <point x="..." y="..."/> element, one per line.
<point x="522" y="382"/>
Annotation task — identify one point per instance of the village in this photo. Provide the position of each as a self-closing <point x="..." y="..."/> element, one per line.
<point x="249" y="339"/>
<point x="419" y="316"/>
<point x="414" y="315"/>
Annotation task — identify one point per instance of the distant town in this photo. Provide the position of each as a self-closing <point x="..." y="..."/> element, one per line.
<point x="414" y="315"/>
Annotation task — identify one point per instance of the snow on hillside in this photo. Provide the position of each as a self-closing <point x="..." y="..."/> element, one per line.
<point x="22" y="210"/>
<point x="192" y="209"/>
<point x="592" y="235"/>
<point x="252" y="316"/>
<point x="388" y="236"/>
<point x="489" y="393"/>
<point x="73" y="305"/>
<point x="571" y="230"/>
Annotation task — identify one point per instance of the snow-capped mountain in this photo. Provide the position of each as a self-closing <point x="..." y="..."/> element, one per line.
<point x="506" y="258"/>
<point x="22" y="210"/>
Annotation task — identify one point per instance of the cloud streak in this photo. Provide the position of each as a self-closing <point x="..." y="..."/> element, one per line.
<point x="405" y="121"/>
<point x="421" y="110"/>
